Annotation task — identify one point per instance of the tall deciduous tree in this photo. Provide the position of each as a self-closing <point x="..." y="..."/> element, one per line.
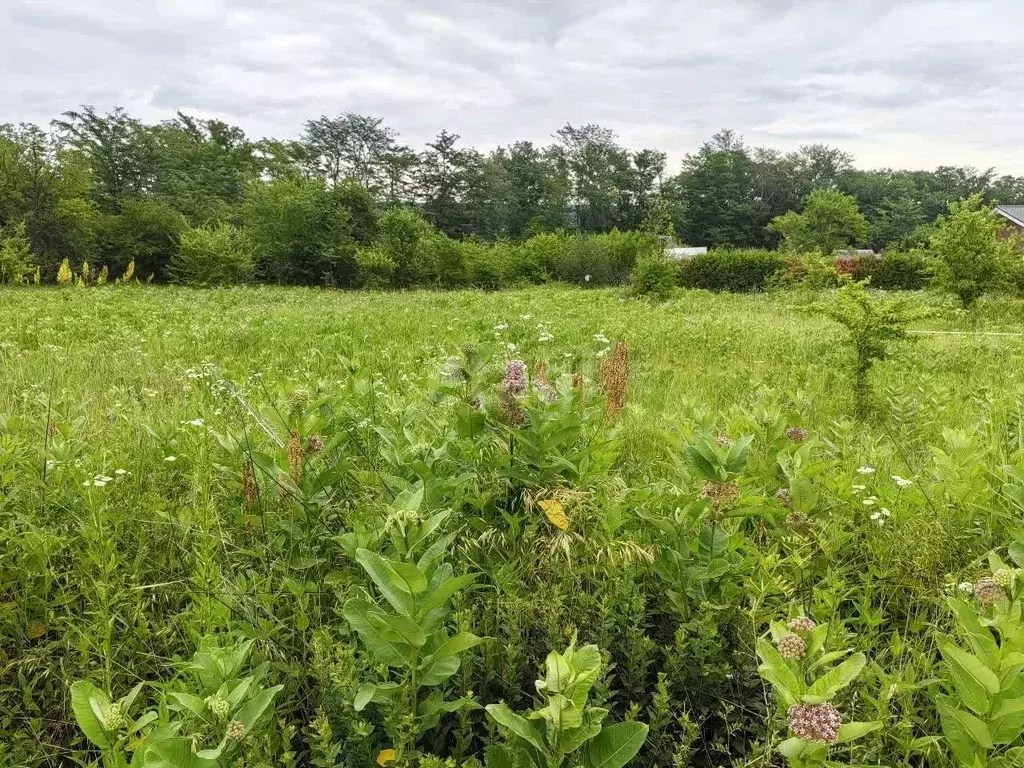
<point x="830" y="220"/>
<point x="350" y="146"/>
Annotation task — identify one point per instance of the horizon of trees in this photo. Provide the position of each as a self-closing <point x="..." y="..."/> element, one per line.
<point x="108" y="188"/>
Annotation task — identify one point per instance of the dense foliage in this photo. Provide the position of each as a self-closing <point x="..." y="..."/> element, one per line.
<point x="348" y="205"/>
<point x="270" y="527"/>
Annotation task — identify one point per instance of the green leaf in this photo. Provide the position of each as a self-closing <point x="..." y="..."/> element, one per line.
<point x="517" y="725"/>
<point x="965" y="734"/>
<point x="558" y="672"/>
<point x="833" y="681"/>
<point x="393" y="586"/>
<point x="86" y="698"/>
<point x="253" y="709"/>
<point x="571" y="740"/>
<point x="616" y="745"/>
<point x="452" y="647"/>
<point x="175" y="753"/>
<point x="1016" y="553"/>
<point x="974" y="682"/>
<point x="411" y="578"/>
<point x="397" y="628"/>
<point x="1007" y="722"/>
<point x="439" y="597"/>
<point x="776" y="671"/>
<point x="377" y="693"/>
<point x="851" y="731"/>
<point x="393" y="654"/>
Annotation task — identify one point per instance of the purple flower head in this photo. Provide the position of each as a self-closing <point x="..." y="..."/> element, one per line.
<point x="515" y="381"/>
<point x="815" y="722"/>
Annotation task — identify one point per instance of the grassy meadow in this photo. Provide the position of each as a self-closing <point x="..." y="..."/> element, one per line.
<point x="183" y="470"/>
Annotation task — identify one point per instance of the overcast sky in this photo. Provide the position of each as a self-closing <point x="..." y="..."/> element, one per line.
<point x="903" y="83"/>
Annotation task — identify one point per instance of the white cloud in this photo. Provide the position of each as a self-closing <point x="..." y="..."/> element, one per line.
<point x="911" y="84"/>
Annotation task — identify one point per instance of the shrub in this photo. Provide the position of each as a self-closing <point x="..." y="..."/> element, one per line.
<point x="895" y="271"/>
<point x="374" y="268"/>
<point x="401" y="237"/>
<point x="653" y="276"/>
<point x="972" y="259"/>
<point x="739" y="271"/>
<point x="15" y="254"/>
<point x="444" y="260"/>
<point x="213" y="255"/>
<point x="830" y="220"/>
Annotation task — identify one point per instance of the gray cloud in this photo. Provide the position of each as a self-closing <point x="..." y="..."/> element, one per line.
<point x="909" y="84"/>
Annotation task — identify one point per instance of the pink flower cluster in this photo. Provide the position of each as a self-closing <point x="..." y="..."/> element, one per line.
<point x="515" y="381"/>
<point x="815" y="722"/>
<point x="802" y="624"/>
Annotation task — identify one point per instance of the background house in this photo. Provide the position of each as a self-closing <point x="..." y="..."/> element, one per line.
<point x="1014" y="215"/>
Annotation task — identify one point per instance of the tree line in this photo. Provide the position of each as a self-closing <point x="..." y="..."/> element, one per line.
<point x="109" y="189"/>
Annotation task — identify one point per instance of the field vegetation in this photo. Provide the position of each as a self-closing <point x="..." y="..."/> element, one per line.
<point x="283" y="526"/>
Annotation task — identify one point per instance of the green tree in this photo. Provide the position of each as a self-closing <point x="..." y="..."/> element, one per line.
<point x="830" y="220"/>
<point x="972" y="258"/>
<point x="350" y="146"/>
<point x="213" y="255"/>
<point x="15" y="254"/>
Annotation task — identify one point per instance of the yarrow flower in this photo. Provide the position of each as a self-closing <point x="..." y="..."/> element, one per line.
<point x="792" y="646"/>
<point x="815" y="722"/>
<point x="802" y="624"/>
<point x="865" y="470"/>
<point x="902" y="482"/>
<point x="881" y="516"/>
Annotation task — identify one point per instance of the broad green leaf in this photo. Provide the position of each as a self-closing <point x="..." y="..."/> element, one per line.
<point x="253" y="709"/>
<point x="1007" y="723"/>
<point x="439" y="597"/>
<point x="571" y="740"/>
<point x="175" y="753"/>
<point x="392" y="654"/>
<point x="965" y="734"/>
<point x="390" y="584"/>
<point x="500" y="756"/>
<point x="833" y="681"/>
<point x="143" y="720"/>
<point x="452" y="647"/>
<point x="975" y="683"/>
<point x="85" y="699"/>
<point x="412" y="579"/>
<point x="194" y="704"/>
<point x="851" y="731"/>
<point x="558" y="672"/>
<point x="376" y="693"/>
<point x="397" y="628"/>
<point x="517" y="725"/>
<point x="440" y="671"/>
<point x="616" y="745"/>
<point x="1016" y="553"/>
<point x="776" y="671"/>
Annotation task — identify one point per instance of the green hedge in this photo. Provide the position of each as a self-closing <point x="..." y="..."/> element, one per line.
<point x="739" y="271"/>
<point x="895" y="271"/>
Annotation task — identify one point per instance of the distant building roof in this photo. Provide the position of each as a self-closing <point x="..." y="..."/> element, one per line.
<point x="1015" y="213"/>
<point x="684" y="254"/>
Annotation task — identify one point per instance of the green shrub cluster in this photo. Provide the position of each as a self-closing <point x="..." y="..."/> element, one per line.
<point x="737" y="270"/>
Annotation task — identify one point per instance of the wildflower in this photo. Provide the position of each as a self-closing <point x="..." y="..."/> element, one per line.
<point x="614" y="372"/>
<point x="299" y="399"/>
<point x="792" y="646"/>
<point x="170" y="458"/>
<point x="600" y="338"/>
<point x="501" y="327"/>
<point x="120" y="472"/>
<point x="870" y="501"/>
<point x="526" y="317"/>
<point x="865" y="470"/>
<point x="966" y="587"/>
<point x="1005" y="577"/>
<point x="783" y="497"/>
<point x="724" y="441"/>
<point x="802" y="624"/>
<point x="114" y="719"/>
<point x="722" y="494"/>
<point x="219" y="706"/>
<point x="798" y="521"/>
<point x="815" y="722"/>
<point x="235" y="731"/>
<point x="197" y="423"/>
<point x="452" y="370"/>
<point x="515" y="381"/>
<point x="315" y="443"/>
<point x="859" y="488"/>
<point x="796" y="434"/>
<point x="586" y="278"/>
<point x="902" y="482"/>
<point x="988" y="592"/>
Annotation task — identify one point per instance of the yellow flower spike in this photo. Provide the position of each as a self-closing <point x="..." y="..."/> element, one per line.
<point x="554" y="511"/>
<point x="386" y="756"/>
